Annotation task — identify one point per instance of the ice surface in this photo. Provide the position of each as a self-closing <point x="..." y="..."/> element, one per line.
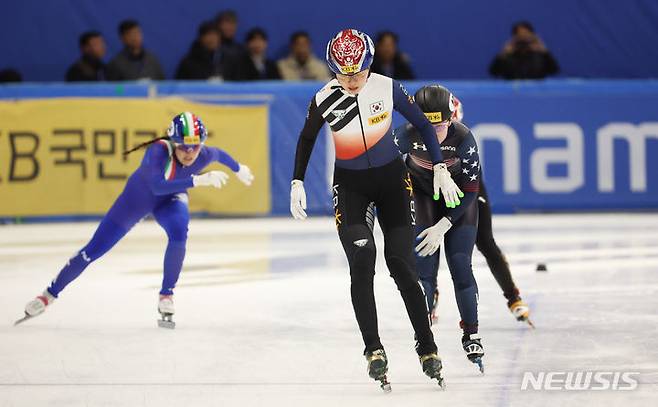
<point x="264" y="318"/>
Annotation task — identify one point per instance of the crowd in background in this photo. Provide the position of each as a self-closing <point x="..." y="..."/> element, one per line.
<point x="216" y="54"/>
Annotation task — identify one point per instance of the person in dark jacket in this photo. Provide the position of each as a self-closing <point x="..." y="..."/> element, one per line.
<point x="524" y="56"/>
<point x="205" y="60"/>
<point x="134" y="61"/>
<point x="255" y="64"/>
<point x="9" y="75"/>
<point x="90" y="66"/>
<point x="227" y="26"/>
<point x="389" y="61"/>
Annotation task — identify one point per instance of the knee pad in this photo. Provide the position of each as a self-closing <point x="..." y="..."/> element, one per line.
<point x="362" y="263"/>
<point x="177" y="244"/>
<point x="177" y="231"/>
<point x="461" y="271"/>
<point x="427" y="268"/>
<point x="488" y="247"/>
<point x="403" y="273"/>
<point x="358" y="244"/>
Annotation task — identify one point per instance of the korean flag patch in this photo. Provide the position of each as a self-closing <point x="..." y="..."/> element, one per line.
<point x="377" y="107"/>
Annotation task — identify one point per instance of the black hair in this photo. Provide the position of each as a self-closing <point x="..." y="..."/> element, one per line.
<point x="299" y="34"/>
<point x="256" y="32"/>
<point x="383" y="34"/>
<point x="522" y="24"/>
<point x="147" y="143"/>
<point x="10" y="75"/>
<point x="226" y="15"/>
<point x="206" y="27"/>
<point x="86" y="36"/>
<point x="127" y="25"/>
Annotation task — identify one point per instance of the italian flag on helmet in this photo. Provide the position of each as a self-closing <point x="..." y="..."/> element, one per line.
<point x="187" y="129"/>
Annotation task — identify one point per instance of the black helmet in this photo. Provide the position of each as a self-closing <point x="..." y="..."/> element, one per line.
<point x="436" y="102"/>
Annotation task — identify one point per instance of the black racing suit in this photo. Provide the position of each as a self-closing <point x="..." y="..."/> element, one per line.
<point x="487" y="246"/>
<point x="460" y="155"/>
<point x="368" y="169"/>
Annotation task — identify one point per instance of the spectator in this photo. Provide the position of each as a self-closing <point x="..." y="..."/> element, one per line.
<point x="524" y="56"/>
<point x="90" y="66"/>
<point x="388" y="60"/>
<point x="301" y="64"/>
<point x="10" y="75"/>
<point x="133" y="62"/>
<point x="227" y="26"/>
<point x="205" y="60"/>
<point x="256" y="65"/>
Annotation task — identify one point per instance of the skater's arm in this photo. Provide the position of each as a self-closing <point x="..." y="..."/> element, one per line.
<point x="241" y="171"/>
<point x="469" y="176"/>
<point x="157" y="160"/>
<point x="404" y="104"/>
<point x="224" y="158"/>
<point x="453" y="214"/>
<point x="307" y="137"/>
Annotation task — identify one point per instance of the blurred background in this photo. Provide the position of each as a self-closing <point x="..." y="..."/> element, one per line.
<point x="561" y="95"/>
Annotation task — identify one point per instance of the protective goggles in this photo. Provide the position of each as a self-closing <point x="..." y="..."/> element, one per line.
<point x="188" y="148"/>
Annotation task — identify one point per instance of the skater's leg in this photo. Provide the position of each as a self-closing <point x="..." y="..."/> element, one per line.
<point x="497" y="262"/>
<point x="427" y="267"/>
<point x="114" y="226"/>
<point x="400" y="261"/>
<point x="396" y="215"/>
<point x="350" y="208"/>
<point x="174" y="218"/>
<point x="492" y="253"/>
<point x="458" y="245"/>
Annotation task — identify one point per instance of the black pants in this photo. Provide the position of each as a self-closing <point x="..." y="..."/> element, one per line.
<point x="389" y="188"/>
<point x="458" y="246"/>
<point x="487" y="246"/>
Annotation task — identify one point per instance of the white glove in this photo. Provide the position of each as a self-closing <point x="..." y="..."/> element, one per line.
<point x="244" y="174"/>
<point x="215" y="179"/>
<point x="432" y="237"/>
<point x="443" y="183"/>
<point x="297" y="199"/>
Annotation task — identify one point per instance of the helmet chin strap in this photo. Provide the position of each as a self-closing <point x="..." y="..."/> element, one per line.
<point x="441" y="131"/>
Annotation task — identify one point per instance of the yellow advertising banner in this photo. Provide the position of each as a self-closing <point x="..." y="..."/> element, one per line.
<point x="64" y="156"/>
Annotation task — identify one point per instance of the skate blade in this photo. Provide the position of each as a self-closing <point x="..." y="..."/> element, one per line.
<point x="480" y="364"/>
<point x="166" y="322"/>
<point x="526" y="320"/>
<point x="385" y="384"/>
<point x="25" y="318"/>
<point x="441" y="382"/>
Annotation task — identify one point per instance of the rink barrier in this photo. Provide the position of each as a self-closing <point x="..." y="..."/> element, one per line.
<point x="555" y="145"/>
